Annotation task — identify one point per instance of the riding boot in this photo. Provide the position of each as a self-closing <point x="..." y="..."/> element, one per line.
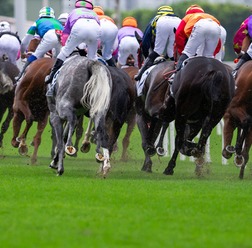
<point x="182" y="58"/>
<point x="147" y="64"/>
<point x="245" y="57"/>
<point x="23" y="70"/>
<point x="111" y="62"/>
<point x="56" y="67"/>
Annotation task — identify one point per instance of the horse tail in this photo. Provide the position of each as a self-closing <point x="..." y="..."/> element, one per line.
<point x="97" y="91"/>
<point x="214" y="80"/>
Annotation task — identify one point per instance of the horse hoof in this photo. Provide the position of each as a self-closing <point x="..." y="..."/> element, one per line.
<point x="85" y="148"/>
<point x="151" y="151"/>
<point x="60" y="172"/>
<point x="23" y="150"/>
<point x="239" y="161"/>
<point x="160" y="151"/>
<point x="53" y="166"/>
<point x="230" y="149"/>
<point x="99" y="157"/>
<point x="70" y="150"/>
<point x="106" y="168"/>
<point x="226" y="154"/>
<point x="168" y="172"/>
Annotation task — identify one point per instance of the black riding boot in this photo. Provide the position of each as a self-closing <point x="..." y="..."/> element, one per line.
<point x="111" y="62"/>
<point x="56" y="67"/>
<point x="182" y="58"/>
<point x="23" y="70"/>
<point x="244" y="58"/>
<point x="147" y="64"/>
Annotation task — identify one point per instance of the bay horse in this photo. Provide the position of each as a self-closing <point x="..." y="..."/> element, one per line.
<point x="131" y="117"/>
<point x="201" y="92"/>
<point x="120" y="112"/>
<point x="150" y="114"/>
<point x="238" y="118"/>
<point x="8" y="72"/>
<point x="30" y="104"/>
<point x="81" y="85"/>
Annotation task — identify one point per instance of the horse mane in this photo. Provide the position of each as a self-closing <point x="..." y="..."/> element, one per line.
<point x="97" y="91"/>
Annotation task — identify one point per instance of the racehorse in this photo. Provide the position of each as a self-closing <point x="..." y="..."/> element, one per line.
<point x="121" y="110"/>
<point x="8" y="72"/>
<point x="239" y="117"/>
<point x="30" y="104"/>
<point x="81" y="85"/>
<point x="201" y="92"/>
<point x="150" y="114"/>
<point x="131" y="117"/>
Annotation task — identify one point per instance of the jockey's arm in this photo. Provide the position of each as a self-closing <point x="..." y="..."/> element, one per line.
<point x="24" y="44"/>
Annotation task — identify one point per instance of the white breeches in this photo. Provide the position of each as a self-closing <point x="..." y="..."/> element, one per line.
<point x="48" y="42"/>
<point x="128" y="45"/>
<point x="108" y="36"/>
<point x="206" y="33"/>
<point x="165" y="35"/>
<point x="86" y="31"/>
<point x="9" y="46"/>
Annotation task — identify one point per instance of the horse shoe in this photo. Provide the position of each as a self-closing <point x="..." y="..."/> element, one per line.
<point x="70" y="150"/>
<point x="99" y="157"/>
<point x="230" y="149"/>
<point x="160" y="151"/>
<point x="238" y="158"/>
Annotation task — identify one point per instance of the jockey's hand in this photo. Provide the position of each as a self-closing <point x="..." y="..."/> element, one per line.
<point x="239" y="55"/>
<point x="23" y="55"/>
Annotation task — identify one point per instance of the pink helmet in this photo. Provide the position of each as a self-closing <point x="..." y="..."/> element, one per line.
<point x="84" y="4"/>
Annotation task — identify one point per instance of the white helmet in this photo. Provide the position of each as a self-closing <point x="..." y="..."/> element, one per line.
<point x="46" y="12"/>
<point x="62" y="18"/>
<point x="5" y="26"/>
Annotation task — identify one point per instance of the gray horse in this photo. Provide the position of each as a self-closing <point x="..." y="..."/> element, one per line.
<point x="81" y="85"/>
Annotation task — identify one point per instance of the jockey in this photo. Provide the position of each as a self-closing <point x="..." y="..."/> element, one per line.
<point x="47" y="27"/>
<point x="109" y="32"/>
<point x="9" y="43"/>
<point x="242" y="43"/>
<point x="197" y="27"/>
<point x="127" y="42"/>
<point x="83" y="25"/>
<point x="161" y="31"/>
<point x="63" y="18"/>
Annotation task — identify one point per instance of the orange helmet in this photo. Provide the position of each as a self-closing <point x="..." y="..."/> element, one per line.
<point x="195" y="8"/>
<point x="98" y="10"/>
<point x="129" y="21"/>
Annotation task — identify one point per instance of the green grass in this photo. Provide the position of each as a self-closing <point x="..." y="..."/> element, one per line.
<point x="129" y="208"/>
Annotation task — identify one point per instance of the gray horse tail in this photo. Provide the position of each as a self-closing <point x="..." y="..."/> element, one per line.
<point x="97" y="91"/>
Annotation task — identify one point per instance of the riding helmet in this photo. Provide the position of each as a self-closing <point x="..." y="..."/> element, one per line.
<point x="5" y="26"/>
<point x="165" y="10"/>
<point x="129" y="21"/>
<point x="84" y="4"/>
<point x="98" y="10"/>
<point x="46" y="12"/>
<point x="195" y="8"/>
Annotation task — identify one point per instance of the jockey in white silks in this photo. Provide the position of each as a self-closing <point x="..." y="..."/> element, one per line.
<point x="9" y="43"/>
<point x="82" y="25"/>
<point x="109" y="32"/>
<point x="127" y="42"/>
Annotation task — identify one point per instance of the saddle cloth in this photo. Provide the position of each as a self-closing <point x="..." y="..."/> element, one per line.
<point x="141" y="82"/>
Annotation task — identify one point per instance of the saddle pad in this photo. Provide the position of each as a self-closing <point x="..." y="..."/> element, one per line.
<point x="140" y="83"/>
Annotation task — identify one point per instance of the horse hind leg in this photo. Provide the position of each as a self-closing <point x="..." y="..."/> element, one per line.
<point x="85" y="147"/>
<point x="5" y="125"/>
<point x="37" y="138"/>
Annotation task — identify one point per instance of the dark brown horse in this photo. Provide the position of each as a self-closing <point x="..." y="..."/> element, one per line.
<point x="8" y="72"/>
<point x="238" y="117"/>
<point x="121" y="110"/>
<point x="150" y="114"/>
<point x="30" y="104"/>
<point x="202" y="91"/>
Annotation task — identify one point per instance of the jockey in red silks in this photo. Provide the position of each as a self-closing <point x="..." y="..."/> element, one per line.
<point x="242" y="43"/>
<point x="127" y="42"/>
<point x="109" y="32"/>
<point x="82" y="25"/>
<point x="9" y="43"/>
<point x="195" y="29"/>
<point x="161" y="31"/>
<point x="46" y="27"/>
